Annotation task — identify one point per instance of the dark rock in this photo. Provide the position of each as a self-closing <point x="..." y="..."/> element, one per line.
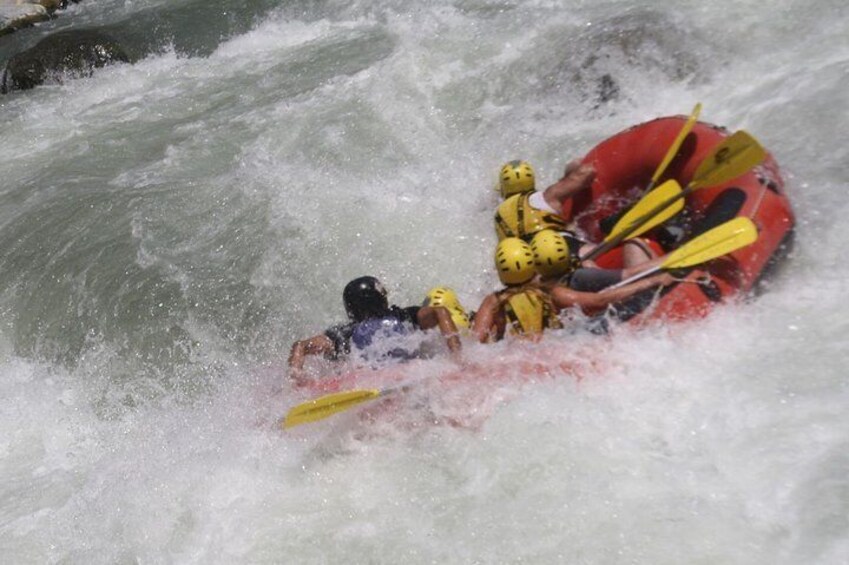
<point x="72" y="53"/>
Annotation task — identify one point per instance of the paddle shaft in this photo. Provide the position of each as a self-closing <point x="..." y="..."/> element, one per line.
<point x="328" y="405"/>
<point x="721" y="240"/>
<point x="667" y="159"/>
<point x="676" y="145"/>
<point x="634" y="278"/>
<point x="636" y="224"/>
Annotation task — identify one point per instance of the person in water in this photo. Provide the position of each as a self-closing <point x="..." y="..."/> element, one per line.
<point x="525" y="307"/>
<point x="525" y="212"/>
<point x="370" y="318"/>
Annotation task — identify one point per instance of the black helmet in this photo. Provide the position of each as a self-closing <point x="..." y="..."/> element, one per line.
<point x="364" y="298"/>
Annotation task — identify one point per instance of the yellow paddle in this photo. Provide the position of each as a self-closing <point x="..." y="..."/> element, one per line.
<point x="330" y="404"/>
<point x="719" y="241"/>
<point x="669" y="191"/>
<point x="665" y="192"/>
<point x="676" y="145"/>
<point x="736" y="155"/>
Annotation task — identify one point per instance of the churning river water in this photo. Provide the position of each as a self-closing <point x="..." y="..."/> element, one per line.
<point x="169" y="227"/>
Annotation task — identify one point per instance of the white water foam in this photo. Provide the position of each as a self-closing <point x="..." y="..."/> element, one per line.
<point x="233" y="196"/>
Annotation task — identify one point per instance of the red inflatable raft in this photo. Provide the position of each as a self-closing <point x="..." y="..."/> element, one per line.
<point x="624" y="166"/>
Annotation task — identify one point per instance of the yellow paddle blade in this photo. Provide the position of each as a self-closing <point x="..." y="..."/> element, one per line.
<point x="676" y="145"/>
<point x="324" y="406"/>
<point x="668" y="193"/>
<point x="719" y="241"/>
<point x="736" y="155"/>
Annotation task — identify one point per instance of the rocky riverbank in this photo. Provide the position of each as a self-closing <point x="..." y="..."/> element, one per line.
<point x="16" y="14"/>
<point x="57" y="55"/>
<point x="76" y="42"/>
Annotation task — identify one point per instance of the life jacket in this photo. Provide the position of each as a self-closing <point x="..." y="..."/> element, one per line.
<point x="374" y="338"/>
<point x="515" y="217"/>
<point x="529" y="311"/>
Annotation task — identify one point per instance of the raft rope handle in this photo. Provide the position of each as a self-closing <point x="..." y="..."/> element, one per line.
<point x="759" y="201"/>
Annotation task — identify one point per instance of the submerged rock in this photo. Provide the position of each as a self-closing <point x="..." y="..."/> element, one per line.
<point x="73" y="53"/>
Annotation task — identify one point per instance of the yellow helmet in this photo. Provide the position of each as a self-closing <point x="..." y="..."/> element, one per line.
<point x="447" y="298"/>
<point x="528" y="314"/>
<point x="551" y="254"/>
<point x="441" y="296"/>
<point x="514" y="261"/>
<point x="516" y="177"/>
